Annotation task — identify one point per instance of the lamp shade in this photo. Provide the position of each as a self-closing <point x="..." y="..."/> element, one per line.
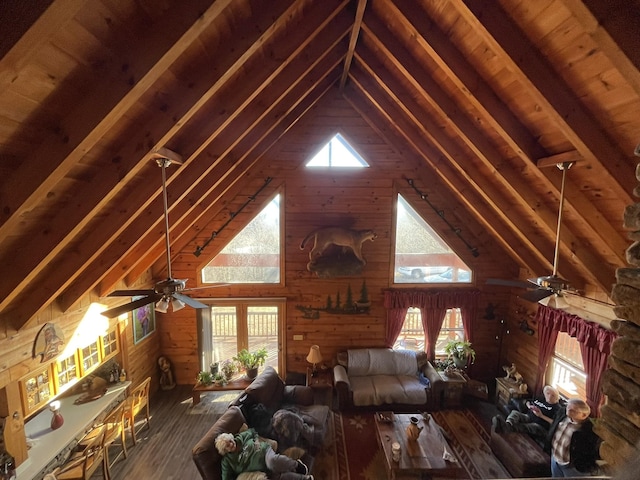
<point x="314" y="355"/>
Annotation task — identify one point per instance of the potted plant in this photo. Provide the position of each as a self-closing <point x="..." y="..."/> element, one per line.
<point x="228" y="368"/>
<point x="204" y="378"/>
<point x="460" y="351"/>
<point x="250" y="361"/>
<point x="219" y="379"/>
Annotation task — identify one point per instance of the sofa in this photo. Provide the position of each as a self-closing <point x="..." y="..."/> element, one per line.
<point x="398" y="380"/>
<point x="521" y="455"/>
<point x="255" y="407"/>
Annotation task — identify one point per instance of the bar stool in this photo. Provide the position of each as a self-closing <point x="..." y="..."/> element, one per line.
<point x="84" y="463"/>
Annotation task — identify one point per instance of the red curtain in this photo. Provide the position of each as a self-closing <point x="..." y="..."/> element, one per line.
<point x="595" y="347"/>
<point x="433" y="305"/>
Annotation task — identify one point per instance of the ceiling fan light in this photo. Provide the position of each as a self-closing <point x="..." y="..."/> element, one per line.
<point x="177" y="304"/>
<point x="162" y="306"/>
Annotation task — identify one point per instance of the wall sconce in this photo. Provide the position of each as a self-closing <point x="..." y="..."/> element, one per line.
<point x="314" y="357"/>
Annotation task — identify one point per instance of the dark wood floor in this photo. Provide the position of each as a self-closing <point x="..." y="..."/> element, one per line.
<point x="164" y="450"/>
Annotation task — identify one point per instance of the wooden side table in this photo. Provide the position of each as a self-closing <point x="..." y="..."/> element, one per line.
<point x="454" y="384"/>
<point x="322" y="384"/>
<point x="506" y="389"/>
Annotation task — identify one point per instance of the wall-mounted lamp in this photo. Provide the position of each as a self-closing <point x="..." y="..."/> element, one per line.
<point x="314" y="357"/>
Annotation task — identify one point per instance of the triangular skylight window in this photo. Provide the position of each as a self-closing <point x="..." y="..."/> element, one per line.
<point x="337" y="153"/>
<point x="421" y="255"/>
<point x="253" y="256"/>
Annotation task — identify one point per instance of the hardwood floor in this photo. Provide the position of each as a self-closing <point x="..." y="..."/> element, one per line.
<point x="163" y="451"/>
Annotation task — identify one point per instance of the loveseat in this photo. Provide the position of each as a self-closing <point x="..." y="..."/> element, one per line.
<point x="266" y="395"/>
<point x="381" y="377"/>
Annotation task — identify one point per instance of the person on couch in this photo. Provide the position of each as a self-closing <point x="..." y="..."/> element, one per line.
<point x="246" y="452"/>
<point x="573" y="444"/>
<point x="538" y="418"/>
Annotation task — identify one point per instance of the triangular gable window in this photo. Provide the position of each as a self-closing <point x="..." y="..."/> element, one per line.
<point x="253" y="256"/>
<point x="337" y="153"/>
<point x="421" y="256"/>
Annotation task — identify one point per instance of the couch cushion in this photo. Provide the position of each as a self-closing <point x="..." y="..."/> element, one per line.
<point x="382" y="361"/>
<point x="267" y="388"/>
<point x="381" y="389"/>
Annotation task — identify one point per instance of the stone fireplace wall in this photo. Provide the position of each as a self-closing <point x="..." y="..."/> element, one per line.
<point x="619" y="426"/>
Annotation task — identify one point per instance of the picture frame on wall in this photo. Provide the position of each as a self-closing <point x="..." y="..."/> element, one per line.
<point x="143" y="321"/>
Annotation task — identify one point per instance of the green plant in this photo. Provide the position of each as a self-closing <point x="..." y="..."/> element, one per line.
<point x="460" y="349"/>
<point x="228" y="368"/>
<point x="219" y="379"/>
<point x="248" y="360"/>
<point x="205" y="378"/>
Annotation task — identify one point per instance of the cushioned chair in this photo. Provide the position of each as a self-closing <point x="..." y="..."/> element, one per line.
<point x="135" y="403"/>
<point x="84" y="463"/>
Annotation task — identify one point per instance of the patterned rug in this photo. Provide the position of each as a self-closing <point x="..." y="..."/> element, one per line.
<point x="355" y="455"/>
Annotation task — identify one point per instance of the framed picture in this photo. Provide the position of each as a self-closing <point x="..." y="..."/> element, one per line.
<point x="144" y="321"/>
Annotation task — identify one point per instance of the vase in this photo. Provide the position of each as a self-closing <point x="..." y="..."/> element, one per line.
<point x="57" y="420"/>
<point x="413" y="430"/>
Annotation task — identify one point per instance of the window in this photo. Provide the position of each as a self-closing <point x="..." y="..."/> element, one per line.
<point x="421" y="256"/>
<point x="566" y="370"/>
<point x="412" y="335"/>
<point x="337" y="153"/>
<point x="110" y="344"/>
<point x="253" y="256"/>
<point x="89" y="357"/>
<point x="37" y="390"/>
<point x="66" y="372"/>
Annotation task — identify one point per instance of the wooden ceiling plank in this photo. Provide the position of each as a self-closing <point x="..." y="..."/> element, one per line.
<point x="572" y="156"/>
<point x="38" y="174"/>
<point x="54" y="18"/>
<point x="353" y="39"/>
<point x="614" y="27"/>
<point x="572" y="118"/>
<point x="325" y="57"/>
<point x="572" y="249"/>
<point x="511" y="180"/>
<point x="69" y="223"/>
<point x="299" y="104"/>
<point x="382" y="115"/>
<point x="444" y="147"/>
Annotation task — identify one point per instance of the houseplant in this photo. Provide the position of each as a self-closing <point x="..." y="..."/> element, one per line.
<point x="228" y="368"/>
<point x="204" y="378"/>
<point x="250" y="361"/>
<point x="460" y="351"/>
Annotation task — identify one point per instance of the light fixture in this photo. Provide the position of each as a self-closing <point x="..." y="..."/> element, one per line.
<point x="314" y="357"/>
<point x="177" y="304"/>
<point x="163" y="305"/>
<point x="555" y="301"/>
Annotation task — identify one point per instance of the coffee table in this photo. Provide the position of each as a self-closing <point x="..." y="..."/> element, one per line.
<point x="421" y="458"/>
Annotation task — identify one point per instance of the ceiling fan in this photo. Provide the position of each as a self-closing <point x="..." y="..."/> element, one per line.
<point x="540" y="288"/>
<point x="168" y="291"/>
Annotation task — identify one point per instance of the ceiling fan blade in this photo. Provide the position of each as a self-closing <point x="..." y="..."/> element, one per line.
<point x="213" y="285"/>
<point x="130" y="293"/>
<point x="127" y="307"/>
<point x="189" y="301"/>
<point x="508" y="283"/>
<point x="536" y="295"/>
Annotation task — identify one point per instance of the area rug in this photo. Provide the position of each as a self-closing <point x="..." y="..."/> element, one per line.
<point x="358" y="457"/>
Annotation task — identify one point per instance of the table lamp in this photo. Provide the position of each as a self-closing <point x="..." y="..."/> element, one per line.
<point x="314" y="357"/>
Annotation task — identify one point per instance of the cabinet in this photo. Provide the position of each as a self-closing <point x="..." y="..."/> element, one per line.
<point x="454" y="384"/>
<point x="12" y="423"/>
<point x="506" y="389"/>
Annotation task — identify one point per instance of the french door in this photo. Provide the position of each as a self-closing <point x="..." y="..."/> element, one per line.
<point x="228" y="326"/>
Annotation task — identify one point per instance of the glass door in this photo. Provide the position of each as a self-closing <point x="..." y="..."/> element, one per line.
<point x="250" y="324"/>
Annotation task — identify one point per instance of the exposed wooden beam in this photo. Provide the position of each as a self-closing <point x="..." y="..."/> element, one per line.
<point x="403" y="136"/>
<point x="572" y="156"/>
<point x="570" y="115"/>
<point x="38" y="175"/>
<point x="353" y="39"/>
<point x="613" y="25"/>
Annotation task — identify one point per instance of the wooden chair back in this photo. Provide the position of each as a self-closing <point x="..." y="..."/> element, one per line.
<point x="137" y="402"/>
<point x="82" y="466"/>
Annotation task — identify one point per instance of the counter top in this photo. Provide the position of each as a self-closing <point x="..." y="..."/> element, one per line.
<point x="47" y="444"/>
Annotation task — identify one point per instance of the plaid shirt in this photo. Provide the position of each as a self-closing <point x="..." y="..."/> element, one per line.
<point x="562" y="441"/>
